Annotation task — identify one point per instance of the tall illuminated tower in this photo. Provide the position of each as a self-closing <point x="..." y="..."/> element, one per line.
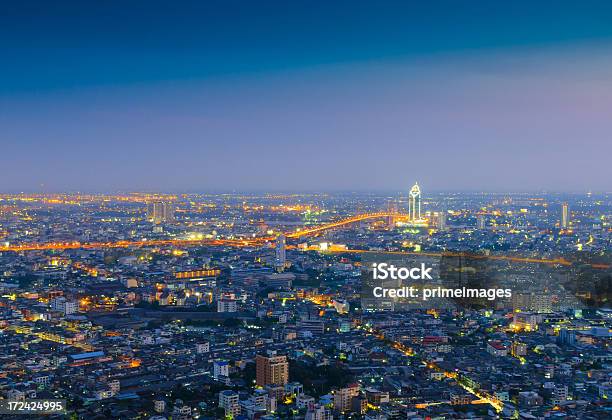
<point x="565" y="216"/>
<point x="281" y="256"/>
<point x="414" y="202"/>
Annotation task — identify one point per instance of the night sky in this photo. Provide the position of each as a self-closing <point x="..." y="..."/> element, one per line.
<point x="305" y="96"/>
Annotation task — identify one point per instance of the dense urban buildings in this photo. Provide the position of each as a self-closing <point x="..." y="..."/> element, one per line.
<point x="305" y="210"/>
<point x="126" y="314"/>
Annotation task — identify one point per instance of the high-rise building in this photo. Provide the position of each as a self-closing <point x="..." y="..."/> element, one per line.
<point x="161" y="212"/>
<point x="271" y="370"/>
<point x="220" y="369"/>
<point x="227" y="305"/>
<point x="532" y="302"/>
<point x="566" y="337"/>
<point x="525" y="321"/>
<point x="442" y="220"/>
<point x="281" y="254"/>
<point x="414" y="202"/>
<point x="318" y="412"/>
<point x="481" y="222"/>
<point x="565" y="216"/>
<point x="518" y="349"/>
<point x="230" y="401"/>
<point x="392" y="209"/>
<point x="343" y="397"/>
<point x="541" y="303"/>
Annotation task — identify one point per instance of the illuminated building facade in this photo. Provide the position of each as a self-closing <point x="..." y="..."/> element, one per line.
<point x="281" y="254"/>
<point x="161" y="212"/>
<point x="442" y="220"/>
<point x="414" y="202"/>
<point x="230" y="401"/>
<point x="518" y="349"/>
<point x="197" y="274"/>
<point x="227" y="305"/>
<point x="273" y="370"/>
<point x="481" y="222"/>
<point x="565" y="217"/>
<point x="343" y="397"/>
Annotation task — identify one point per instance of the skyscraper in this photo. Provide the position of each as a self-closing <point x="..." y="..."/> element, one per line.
<point x="160" y="212"/>
<point x="281" y="254"/>
<point x="272" y="370"/>
<point x="392" y="209"/>
<point x="565" y="216"/>
<point x="566" y="337"/>
<point x="480" y="222"/>
<point x="442" y="220"/>
<point x="414" y="202"/>
<point x="344" y="396"/>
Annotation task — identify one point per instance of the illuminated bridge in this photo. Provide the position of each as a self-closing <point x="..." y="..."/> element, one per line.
<point x="343" y="222"/>
<point x="34" y="246"/>
<point x="260" y="241"/>
<point x="511" y="258"/>
<point x="45" y="246"/>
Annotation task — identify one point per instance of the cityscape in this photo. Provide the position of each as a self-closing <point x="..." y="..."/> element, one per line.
<point x="248" y="306"/>
<point x="305" y="210"/>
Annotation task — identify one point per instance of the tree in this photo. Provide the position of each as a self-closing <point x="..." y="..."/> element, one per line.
<point x="319" y="380"/>
<point x="232" y="323"/>
<point x="26" y="280"/>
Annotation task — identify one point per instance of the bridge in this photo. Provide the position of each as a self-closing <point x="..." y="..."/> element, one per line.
<point x="44" y="246"/>
<point x="261" y="241"/>
<point x="511" y="258"/>
<point x="354" y="219"/>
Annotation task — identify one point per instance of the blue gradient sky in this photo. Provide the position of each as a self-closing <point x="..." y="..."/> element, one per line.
<point x="305" y="96"/>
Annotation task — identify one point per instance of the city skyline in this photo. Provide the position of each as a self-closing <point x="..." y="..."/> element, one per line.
<point x="305" y="210"/>
<point x="226" y="306"/>
<point x="208" y="97"/>
<point x="401" y="193"/>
